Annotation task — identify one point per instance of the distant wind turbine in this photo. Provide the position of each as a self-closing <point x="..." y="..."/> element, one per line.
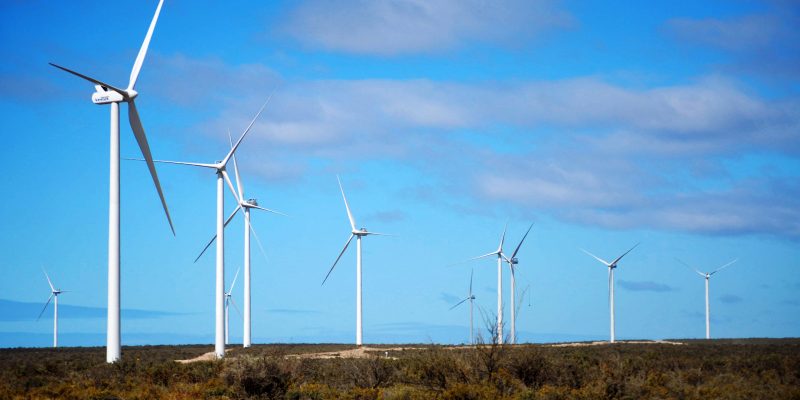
<point x="499" y="254"/>
<point x="222" y="176"/>
<point x="358" y="234"/>
<point x="53" y="296"/>
<point x="707" y="276"/>
<point x="108" y="94"/>
<point x="611" y="266"/>
<point x="512" y="264"/>
<point x="245" y="205"/>
<point x="228" y="301"/>
<point x="471" y="298"/>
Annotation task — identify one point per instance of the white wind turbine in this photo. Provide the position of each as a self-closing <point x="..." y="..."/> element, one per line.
<point x="499" y="254"/>
<point x="245" y="205"/>
<point x="512" y="264"/>
<point x="53" y="296"/>
<point x="108" y="94"/>
<point x="358" y="234"/>
<point x="222" y="175"/>
<point x="707" y="276"/>
<point x="228" y="302"/>
<point x="611" y="266"/>
<point x="471" y="298"/>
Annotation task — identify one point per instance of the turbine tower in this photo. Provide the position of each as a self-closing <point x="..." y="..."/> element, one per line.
<point x="219" y="291"/>
<point x="471" y="298"/>
<point x="707" y="276"/>
<point x="499" y="254"/>
<point x="53" y="296"/>
<point x="108" y="94"/>
<point x="358" y="234"/>
<point x="245" y="205"/>
<point x="512" y="264"/>
<point x="611" y="266"/>
<point x="228" y="302"/>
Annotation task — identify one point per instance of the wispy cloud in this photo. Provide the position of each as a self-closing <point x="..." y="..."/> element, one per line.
<point x="396" y="27"/>
<point x="645" y="286"/>
<point x="11" y="310"/>
<point x="767" y="43"/>
<point x="449" y="298"/>
<point x="730" y="299"/>
<point x="634" y="135"/>
<point x="744" y="32"/>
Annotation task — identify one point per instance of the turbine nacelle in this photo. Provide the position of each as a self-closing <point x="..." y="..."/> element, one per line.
<point x="360" y="232"/>
<point x="105" y="96"/>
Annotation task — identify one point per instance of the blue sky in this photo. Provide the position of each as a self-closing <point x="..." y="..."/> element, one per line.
<point x="675" y="124"/>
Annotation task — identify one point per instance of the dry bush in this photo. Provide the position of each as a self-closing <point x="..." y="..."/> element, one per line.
<point x="257" y="377"/>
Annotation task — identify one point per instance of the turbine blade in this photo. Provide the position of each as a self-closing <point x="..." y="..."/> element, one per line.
<point x="724" y="266"/>
<point x="90" y="79"/>
<point x="137" y="65"/>
<point x="236" y="146"/>
<point x="45" y="306"/>
<point x="236" y="170"/>
<point x="597" y="258"/>
<point x="138" y="131"/>
<point x="380" y="234"/>
<point x="494" y="253"/>
<point x="519" y="302"/>
<point x="234" y="280"/>
<point x="346" y="206"/>
<point x="337" y="258"/>
<point x="267" y="209"/>
<point x="471" y="272"/>
<point x="193" y="164"/>
<point x="502" y="239"/>
<point x="690" y="268"/>
<point x="49" y="282"/>
<point x="230" y="186"/>
<point x="258" y="242"/>
<point x="624" y="254"/>
<point x="214" y="238"/>
<point x="459" y="303"/>
<point x="514" y="254"/>
<point x="236" y="307"/>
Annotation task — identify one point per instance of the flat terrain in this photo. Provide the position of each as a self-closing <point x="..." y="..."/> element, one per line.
<point x="674" y="369"/>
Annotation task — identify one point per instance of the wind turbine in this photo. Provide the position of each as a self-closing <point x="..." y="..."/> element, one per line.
<point x="707" y="276"/>
<point x="108" y="94"/>
<point x="53" y="296"/>
<point x="512" y="264"/>
<point x="471" y="299"/>
<point x="228" y="302"/>
<point x="611" y="266"/>
<point x="245" y="205"/>
<point x="499" y="254"/>
<point x="222" y="175"/>
<point x="358" y="234"/>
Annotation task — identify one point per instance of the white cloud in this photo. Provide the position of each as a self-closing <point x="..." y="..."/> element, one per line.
<point x="584" y="150"/>
<point x="745" y="32"/>
<point x="393" y="27"/>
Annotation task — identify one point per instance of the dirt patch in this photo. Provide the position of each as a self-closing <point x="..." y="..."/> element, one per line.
<point x="210" y="356"/>
<point x="361" y="352"/>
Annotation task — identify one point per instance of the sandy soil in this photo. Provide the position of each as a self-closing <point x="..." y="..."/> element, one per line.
<point x="364" y="351"/>
<point x="210" y="356"/>
<point x="361" y="352"/>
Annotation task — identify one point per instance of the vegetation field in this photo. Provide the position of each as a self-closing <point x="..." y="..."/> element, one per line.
<point x="717" y="369"/>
